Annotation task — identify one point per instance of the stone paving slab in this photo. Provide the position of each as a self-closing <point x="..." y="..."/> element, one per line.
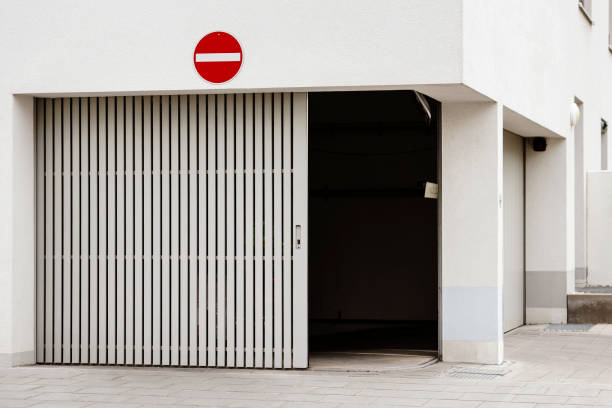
<point x="544" y="369"/>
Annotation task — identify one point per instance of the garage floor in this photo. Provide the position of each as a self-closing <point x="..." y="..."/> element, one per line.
<point x="350" y="335"/>
<point x="380" y="360"/>
<point x="371" y="345"/>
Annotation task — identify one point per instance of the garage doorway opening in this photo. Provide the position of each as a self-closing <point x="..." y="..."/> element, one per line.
<point x="373" y="260"/>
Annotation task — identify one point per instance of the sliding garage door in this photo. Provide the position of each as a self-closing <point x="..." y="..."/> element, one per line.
<point x="171" y="230"/>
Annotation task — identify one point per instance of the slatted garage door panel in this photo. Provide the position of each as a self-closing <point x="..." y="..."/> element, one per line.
<point x="166" y="230"/>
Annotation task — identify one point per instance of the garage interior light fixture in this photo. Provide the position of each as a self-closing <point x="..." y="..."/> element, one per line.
<point x="424" y="104"/>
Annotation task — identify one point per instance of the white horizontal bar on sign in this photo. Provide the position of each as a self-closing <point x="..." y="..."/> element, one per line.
<point x="218" y="57"/>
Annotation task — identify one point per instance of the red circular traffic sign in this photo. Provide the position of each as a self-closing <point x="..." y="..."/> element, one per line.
<point x="217" y="57"/>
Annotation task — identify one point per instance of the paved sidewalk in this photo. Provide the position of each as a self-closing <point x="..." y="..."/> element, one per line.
<point x="544" y="369"/>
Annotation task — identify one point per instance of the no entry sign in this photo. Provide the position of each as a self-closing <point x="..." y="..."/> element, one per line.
<point x="217" y="57"/>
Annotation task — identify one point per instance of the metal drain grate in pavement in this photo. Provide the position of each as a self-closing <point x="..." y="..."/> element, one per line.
<point x="479" y="373"/>
<point x="569" y="327"/>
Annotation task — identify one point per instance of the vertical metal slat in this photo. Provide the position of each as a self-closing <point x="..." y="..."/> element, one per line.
<point x="239" y="228"/>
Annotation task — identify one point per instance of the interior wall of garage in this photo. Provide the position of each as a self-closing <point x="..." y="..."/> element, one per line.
<point x="373" y="249"/>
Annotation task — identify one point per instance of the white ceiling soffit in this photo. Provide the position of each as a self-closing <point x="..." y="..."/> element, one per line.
<point x="441" y="92"/>
<point x="451" y="93"/>
<point x="520" y="125"/>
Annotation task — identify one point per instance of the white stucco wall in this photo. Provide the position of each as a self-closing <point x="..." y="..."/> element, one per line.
<point x="17" y="220"/>
<point x="536" y="56"/>
<point x="531" y="56"/>
<point x="471" y="245"/>
<point x="549" y="231"/>
<point x="117" y="46"/>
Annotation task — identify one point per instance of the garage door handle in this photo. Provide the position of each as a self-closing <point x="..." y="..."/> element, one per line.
<point x="298" y="236"/>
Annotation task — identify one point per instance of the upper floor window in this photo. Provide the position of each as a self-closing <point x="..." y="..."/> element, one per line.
<point x="586" y="8"/>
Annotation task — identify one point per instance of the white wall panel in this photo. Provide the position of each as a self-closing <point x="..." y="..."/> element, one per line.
<point x="40" y="228"/>
<point x="258" y="218"/>
<point x="287" y="219"/>
<point x="268" y="238"/>
<point x="277" y="221"/>
<point x="240" y="271"/>
<point x="156" y="177"/>
<point x="249" y="182"/>
<point x="138" y="236"/>
<point x="121" y="232"/>
<point x="84" y="245"/>
<point x="57" y="224"/>
<point x="94" y="208"/>
<point x="230" y="271"/>
<point x="202" y="225"/>
<point x="192" y="229"/>
<point x="299" y="198"/>
<point x="164" y="202"/>
<point x="183" y="236"/>
<point x="211" y="226"/>
<point x="130" y="260"/>
<point x="174" y="199"/>
<point x="221" y="192"/>
<point x="102" y="203"/>
<point x="111" y="235"/>
<point x="147" y="231"/>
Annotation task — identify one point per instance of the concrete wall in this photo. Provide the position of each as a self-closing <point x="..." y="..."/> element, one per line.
<point x="472" y="238"/>
<point x="17" y="244"/>
<point x="549" y="231"/>
<point x="116" y="46"/>
<point x="580" y="197"/>
<point x="536" y="56"/>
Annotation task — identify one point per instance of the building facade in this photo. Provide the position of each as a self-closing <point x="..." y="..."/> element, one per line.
<point x="461" y="92"/>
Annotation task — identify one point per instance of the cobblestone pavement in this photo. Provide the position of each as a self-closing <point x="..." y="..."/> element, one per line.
<point x="544" y="369"/>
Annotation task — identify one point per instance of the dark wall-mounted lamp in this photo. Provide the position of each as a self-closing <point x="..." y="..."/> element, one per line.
<point x="539" y="144"/>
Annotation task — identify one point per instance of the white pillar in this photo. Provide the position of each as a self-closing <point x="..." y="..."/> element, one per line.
<point x="549" y="231"/>
<point x="471" y="232"/>
<point x="580" y="161"/>
<point x="17" y="220"/>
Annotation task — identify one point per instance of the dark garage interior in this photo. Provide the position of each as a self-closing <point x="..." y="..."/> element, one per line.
<point x="373" y="271"/>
